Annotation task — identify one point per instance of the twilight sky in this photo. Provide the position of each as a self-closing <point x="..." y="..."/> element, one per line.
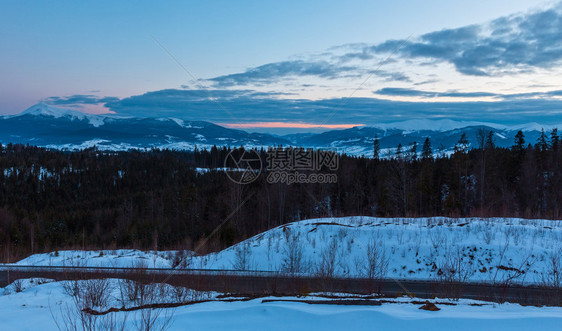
<point x="288" y="64"/>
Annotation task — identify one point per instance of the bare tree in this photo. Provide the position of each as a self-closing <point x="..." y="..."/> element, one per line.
<point x="326" y="267"/>
<point x="377" y="260"/>
<point x="293" y="258"/>
<point x="180" y="259"/>
<point x="89" y="293"/>
<point x="95" y="292"/>
<point x="513" y="272"/>
<point x="242" y="257"/>
<point x="18" y="285"/>
<point x="77" y="315"/>
<point x="155" y="318"/>
<point x="131" y="289"/>
<point x="454" y="269"/>
<point x="374" y="265"/>
<point x="71" y="318"/>
<point x="552" y="276"/>
<point x="111" y="321"/>
<point x="455" y="266"/>
<point x="436" y="237"/>
<point x="91" y="297"/>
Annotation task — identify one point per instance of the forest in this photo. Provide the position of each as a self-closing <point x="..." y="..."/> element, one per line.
<point x="161" y="199"/>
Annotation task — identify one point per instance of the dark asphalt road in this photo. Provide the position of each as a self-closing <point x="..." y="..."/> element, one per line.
<point x="270" y="283"/>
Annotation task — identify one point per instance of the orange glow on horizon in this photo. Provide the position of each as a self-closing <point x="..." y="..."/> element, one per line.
<point x="288" y="125"/>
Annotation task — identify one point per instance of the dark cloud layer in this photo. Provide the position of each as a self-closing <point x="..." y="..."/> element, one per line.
<point x="396" y="91"/>
<point x="79" y="99"/>
<point x="228" y="106"/>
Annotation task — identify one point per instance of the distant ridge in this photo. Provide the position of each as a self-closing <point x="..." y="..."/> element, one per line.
<point x="448" y="124"/>
<point x="61" y="128"/>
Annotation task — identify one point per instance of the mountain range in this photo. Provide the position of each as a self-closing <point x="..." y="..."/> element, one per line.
<point x="58" y="128"/>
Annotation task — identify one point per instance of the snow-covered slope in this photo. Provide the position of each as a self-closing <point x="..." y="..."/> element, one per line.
<point x="491" y="250"/>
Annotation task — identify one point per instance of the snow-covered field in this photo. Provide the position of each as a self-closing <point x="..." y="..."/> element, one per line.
<point x="488" y="250"/>
<point x="41" y="302"/>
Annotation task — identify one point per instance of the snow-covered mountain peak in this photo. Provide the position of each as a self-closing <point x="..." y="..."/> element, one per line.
<point x="43" y="109"/>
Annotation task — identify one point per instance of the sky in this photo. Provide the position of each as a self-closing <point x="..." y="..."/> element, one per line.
<point x="287" y="65"/>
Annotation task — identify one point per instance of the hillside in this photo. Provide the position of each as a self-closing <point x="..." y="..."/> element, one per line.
<point x="493" y="250"/>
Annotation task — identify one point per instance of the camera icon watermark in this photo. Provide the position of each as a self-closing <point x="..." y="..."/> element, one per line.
<point x="243" y="166"/>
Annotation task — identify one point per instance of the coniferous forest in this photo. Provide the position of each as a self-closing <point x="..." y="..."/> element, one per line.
<point x="149" y="199"/>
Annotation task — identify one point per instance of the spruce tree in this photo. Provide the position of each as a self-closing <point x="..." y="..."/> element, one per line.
<point x="462" y="144"/>
<point x="490" y="141"/>
<point x="414" y="150"/>
<point x="427" y="153"/>
<point x="399" y="151"/>
<point x="554" y="140"/>
<point x="519" y="142"/>
<point x="376" y="148"/>
<point x="542" y="144"/>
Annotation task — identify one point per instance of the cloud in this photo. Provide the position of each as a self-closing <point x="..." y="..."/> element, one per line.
<point x="210" y="105"/>
<point x="79" y="99"/>
<point x="511" y="44"/>
<point x="529" y="95"/>
<point x="272" y="72"/>
<point x="395" y="91"/>
<point x="506" y="45"/>
<point x="406" y="92"/>
<point x="391" y="76"/>
<point x="242" y="106"/>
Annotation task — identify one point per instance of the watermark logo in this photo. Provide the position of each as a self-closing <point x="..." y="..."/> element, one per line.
<point x="293" y="177"/>
<point x="283" y="165"/>
<point x="299" y="165"/>
<point x="243" y="166"/>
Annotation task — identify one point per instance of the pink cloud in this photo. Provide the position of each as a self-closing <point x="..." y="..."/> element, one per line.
<point x="289" y="125"/>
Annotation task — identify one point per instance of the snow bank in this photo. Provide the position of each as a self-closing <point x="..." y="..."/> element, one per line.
<point x="37" y="307"/>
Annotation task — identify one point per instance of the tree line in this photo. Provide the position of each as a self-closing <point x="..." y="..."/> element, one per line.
<point x="159" y="199"/>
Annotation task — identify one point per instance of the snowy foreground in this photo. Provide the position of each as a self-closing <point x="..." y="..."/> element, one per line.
<point x="490" y="250"/>
<point x="41" y="302"/>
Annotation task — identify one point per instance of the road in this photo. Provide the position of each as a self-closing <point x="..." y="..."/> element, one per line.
<point x="260" y="283"/>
